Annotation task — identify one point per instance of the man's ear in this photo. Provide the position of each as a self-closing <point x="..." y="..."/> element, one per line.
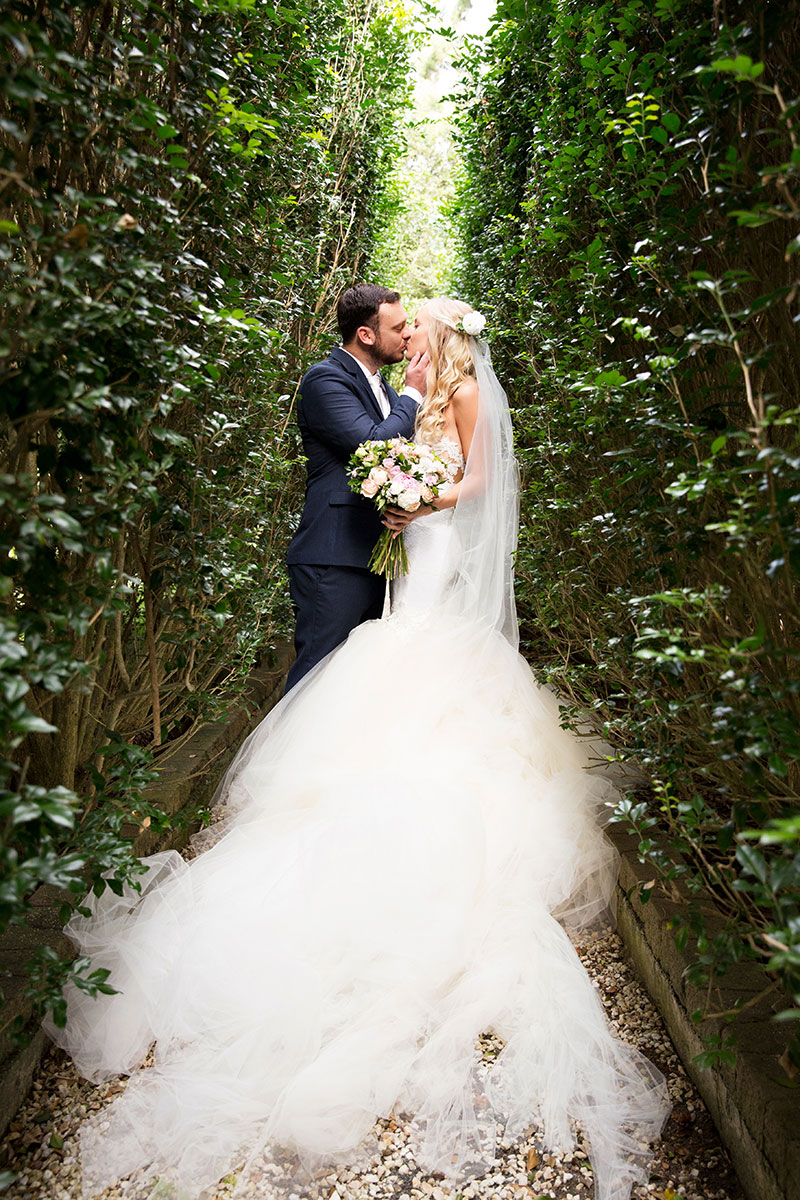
<point x="365" y="336"/>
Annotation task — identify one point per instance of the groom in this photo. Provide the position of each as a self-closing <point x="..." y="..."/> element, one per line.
<point x="345" y="401"/>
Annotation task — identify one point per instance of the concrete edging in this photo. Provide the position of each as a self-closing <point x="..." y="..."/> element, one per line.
<point x="756" y="1112"/>
<point x="187" y="780"/>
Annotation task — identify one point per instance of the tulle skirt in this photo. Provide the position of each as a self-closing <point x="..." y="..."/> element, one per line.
<point x="410" y="838"/>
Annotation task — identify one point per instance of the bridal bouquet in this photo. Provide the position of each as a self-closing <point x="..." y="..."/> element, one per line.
<point x="400" y="474"/>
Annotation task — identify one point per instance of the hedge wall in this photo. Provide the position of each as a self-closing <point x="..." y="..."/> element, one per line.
<point x="185" y="189"/>
<point x="630" y="217"/>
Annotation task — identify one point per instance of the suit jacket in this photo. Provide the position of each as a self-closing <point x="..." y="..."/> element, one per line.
<point x="337" y="411"/>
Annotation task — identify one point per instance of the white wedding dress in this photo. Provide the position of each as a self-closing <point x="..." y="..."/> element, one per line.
<point x="409" y="836"/>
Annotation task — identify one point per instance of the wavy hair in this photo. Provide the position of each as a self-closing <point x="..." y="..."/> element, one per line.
<point x="451" y="364"/>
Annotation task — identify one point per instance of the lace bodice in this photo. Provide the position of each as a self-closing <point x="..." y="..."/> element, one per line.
<point x="450" y="450"/>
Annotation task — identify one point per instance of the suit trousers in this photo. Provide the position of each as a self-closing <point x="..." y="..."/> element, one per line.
<point x="328" y="603"/>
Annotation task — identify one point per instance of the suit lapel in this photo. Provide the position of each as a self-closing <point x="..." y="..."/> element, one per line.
<point x="353" y="370"/>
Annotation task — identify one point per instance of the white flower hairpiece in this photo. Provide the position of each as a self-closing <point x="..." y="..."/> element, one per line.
<point x="472" y="323"/>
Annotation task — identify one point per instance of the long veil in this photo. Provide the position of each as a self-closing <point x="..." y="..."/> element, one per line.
<point x="487" y="513"/>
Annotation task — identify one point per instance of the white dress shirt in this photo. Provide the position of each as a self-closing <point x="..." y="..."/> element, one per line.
<point x="376" y="383"/>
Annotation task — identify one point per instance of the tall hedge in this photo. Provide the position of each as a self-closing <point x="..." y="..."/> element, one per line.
<point x="630" y="217"/>
<point x="185" y="189"/>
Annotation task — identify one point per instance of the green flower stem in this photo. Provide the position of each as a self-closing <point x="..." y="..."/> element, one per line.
<point x="389" y="557"/>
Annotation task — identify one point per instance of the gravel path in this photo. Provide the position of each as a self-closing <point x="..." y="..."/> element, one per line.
<point x="690" y="1163"/>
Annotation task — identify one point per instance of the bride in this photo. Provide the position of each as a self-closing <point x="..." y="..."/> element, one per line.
<point x="407" y="842"/>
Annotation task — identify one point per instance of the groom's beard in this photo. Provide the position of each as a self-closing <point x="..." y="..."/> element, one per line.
<point x="384" y="356"/>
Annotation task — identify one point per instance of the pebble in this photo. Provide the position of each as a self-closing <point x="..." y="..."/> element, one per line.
<point x="689" y="1161"/>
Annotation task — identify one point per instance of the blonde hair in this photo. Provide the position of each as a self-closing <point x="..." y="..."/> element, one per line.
<point x="451" y="364"/>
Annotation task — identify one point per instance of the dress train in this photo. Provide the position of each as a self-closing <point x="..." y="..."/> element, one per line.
<point x="411" y="839"/>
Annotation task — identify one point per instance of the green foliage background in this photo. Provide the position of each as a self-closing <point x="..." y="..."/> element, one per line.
<point x="185" y="191"/>
<point x="630" y="226"/>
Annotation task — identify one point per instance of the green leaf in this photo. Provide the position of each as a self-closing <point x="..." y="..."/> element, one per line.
<point x="753" y="861"/>
<point x="753" y="217"/>
<point x="742" y="66"/>
<point x="32" y="724"/>
<point x="612" y="378"/>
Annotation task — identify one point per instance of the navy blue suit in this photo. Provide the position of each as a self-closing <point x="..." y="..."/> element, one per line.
<point x="331" y="586"/>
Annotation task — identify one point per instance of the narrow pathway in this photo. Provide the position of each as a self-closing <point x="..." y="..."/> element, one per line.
<point x="690" y="1162"/>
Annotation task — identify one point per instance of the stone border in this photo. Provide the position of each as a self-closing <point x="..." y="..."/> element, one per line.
<point x="757" y="1115"/>
<point x="187" y="780"/>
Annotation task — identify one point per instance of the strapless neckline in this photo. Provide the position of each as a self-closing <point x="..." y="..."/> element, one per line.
<point x="449" y="449"/>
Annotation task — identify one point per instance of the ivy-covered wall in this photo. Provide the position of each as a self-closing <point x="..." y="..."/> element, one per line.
<point x="630" y="221"/>
<point x="184" y="191"/>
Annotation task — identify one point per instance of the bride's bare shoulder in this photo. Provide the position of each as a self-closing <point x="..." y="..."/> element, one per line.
<point x="466" y="394"/>
<point x="465" y="412"/>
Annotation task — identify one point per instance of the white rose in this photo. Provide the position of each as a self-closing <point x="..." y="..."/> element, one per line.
<point x="427" y="494"/>
<point x="395" y="487"/>
<point x="369" y="488"/>
<point x="408" y="501"/>
<point x="473" y="323"/>
<point x="379" y="475"/>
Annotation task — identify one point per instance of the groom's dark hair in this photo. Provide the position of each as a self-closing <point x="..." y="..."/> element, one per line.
<point x="359" y="306"/>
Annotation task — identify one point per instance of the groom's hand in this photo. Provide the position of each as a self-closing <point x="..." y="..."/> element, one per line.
<point x="417" y="372"/>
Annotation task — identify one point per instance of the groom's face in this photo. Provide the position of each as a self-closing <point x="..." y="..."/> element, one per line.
<point x="392" y="334"/>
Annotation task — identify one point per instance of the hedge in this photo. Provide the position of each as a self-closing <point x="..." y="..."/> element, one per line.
<point x="185" y="190"/>
<point x="629" y="214"/>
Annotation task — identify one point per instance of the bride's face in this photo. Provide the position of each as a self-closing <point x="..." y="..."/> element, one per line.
<point x="418" y="342"/>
